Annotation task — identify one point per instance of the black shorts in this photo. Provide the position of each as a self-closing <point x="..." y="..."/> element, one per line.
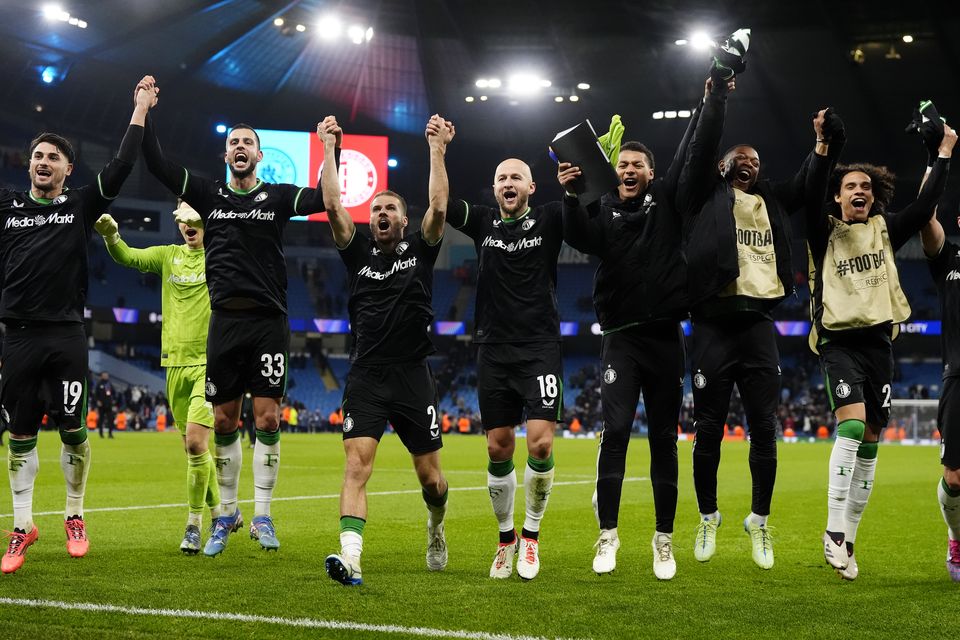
<point x="44" y="370"/>
<point x="860" y="370"/>
<point x="246" y="351"/>
<point x="402" y="393"/>
<point x="948" y="422"/>
<point x="517" y="382"/>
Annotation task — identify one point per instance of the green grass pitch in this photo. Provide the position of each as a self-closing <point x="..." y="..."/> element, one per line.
<point x="134" y="560"/>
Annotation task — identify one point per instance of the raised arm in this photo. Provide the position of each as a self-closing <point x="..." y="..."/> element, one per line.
<point x="793" y="194"/>
<point x="829" y="129"/>
<point x="307" y="200"/>
<point x="915" y="216"/>
<point x="581" y="231"/>
<point x="439" y="133"/>
<point x="340" y="222"/>
<point x="113" y="175"/>
<point x="173" y="176"/>
<point x="145" y="260"/>
<point x="692" y="173"/>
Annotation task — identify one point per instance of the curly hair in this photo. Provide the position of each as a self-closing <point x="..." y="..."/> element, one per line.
<point x="881" y="179"/>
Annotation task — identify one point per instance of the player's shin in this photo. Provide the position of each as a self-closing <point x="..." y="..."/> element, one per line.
<point x="213" y="488"/>
<point x="537" y="483"/>
<point x="351" y="536"/>
<point x="436" y="507"/>
<point x="502" y="486"/>
<point x="843" y="459"/>
<point x="75" y="462"/>
<point x="198" y="481"/>
<point x="949" y="499"/>
<point x="861" y="485"/>
<point x="266" y="466"/>
<point x="229" y="458"/>
<point x="23" y="465"/>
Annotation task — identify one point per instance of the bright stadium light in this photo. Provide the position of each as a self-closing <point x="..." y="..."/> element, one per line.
<point x="583" y="86"/>
<point x="483" y="98"/>
<point x="574" y="98"/>
<point x="329" y="27"/>
<point x="468" y="99"/>
<point x="392" y="163"/>
<point x="700" y="40"/>
<point x="669" y="115"/>
<point x="355" y="33"/>
<point x="680" y="42"/>
<point x="278" y="22"/>
<point x="82" y="24"/>
<point x="494" y="83"/>
<point x="48" y="75"/>
<point x="558" y="99"/>
<point x="52" y="11"/>
<point x="523" y="84"/>
<point x="908" y="38"/>
<point x="301" y="28"/>
<point x="482" y="83"/>
<point x="683" y="113"/>
<point x="658" y="115"/>
<point x="220" y="128"/>
<point x="545" y="84"/>
<point x="368" y="34"/>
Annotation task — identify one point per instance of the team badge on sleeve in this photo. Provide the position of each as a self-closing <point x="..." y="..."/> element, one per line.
<point x="843" y="390"/>
<point x="610" y="375"/>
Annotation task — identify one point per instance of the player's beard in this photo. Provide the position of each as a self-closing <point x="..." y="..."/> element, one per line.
<point x="519" y="206"/>
<point x="241" y="174"/>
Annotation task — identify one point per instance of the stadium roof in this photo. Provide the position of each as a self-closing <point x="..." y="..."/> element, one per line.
<point x="231" y="60"/>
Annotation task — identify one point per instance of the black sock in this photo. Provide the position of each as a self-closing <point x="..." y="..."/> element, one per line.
<point x="533" y="535"/>
<point x="506" y="537"/>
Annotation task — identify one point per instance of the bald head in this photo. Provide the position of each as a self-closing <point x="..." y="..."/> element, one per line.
<point x="512" y="185"/>
<point x="513" y="165"/>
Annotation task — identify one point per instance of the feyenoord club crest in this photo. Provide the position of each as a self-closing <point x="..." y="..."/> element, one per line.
<point x="528" y="224"/>
<point x="843" y="390"/>
<point x="60" y="199"/>
<point x="699" y="380"/>
<point x="347" y="424"/>
<point x="211" y="388"/>
<point x="261" y="197"/>
<point x="610" y="376"/>
<point x="362" y="178"/>
<point x="402" y="247"/>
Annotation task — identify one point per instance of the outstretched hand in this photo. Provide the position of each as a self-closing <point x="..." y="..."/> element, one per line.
<point x="708" y="86"/>
<point x="146" y="93"/>
<point x="189" y="217"/>
<point x="828" y="125"/>
<point x="948" y="142"/>
<point x="439" y="131"/>
<point x="106" y="225"/>
<point x="330" y="132"/>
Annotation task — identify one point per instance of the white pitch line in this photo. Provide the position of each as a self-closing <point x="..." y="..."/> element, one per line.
<point x="329" y="496"/>
<point x="303" y="623"/>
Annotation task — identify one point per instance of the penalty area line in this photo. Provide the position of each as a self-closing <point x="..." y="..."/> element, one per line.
<point x="328" y="496"/>
<point x="303" y="623"/>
